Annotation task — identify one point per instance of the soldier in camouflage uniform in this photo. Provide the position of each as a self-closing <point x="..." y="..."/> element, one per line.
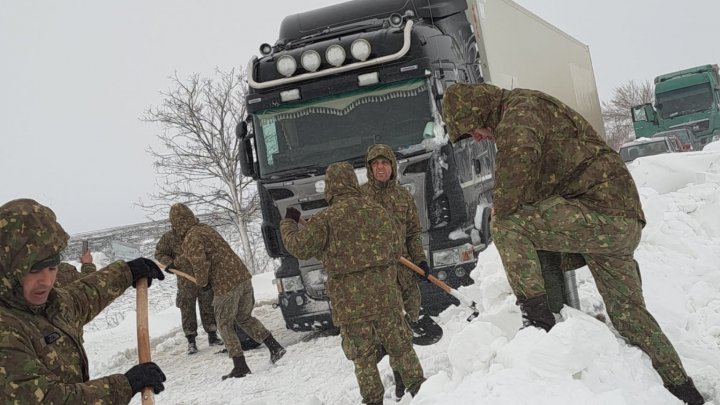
<point x="188" y="294"/>
<point x="67" y="273"/>
<point x="359" y="245"/>
<point x="559" y="187"/>
<point x="42" y="359"/>
<point x="216" y="266"/>
<point x="382" y="187"/>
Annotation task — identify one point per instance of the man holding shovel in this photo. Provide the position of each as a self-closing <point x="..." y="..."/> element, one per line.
<point x="41" y="351"/>
<point x="217" y="266"/>
<point x="382" y="187"/>
<point x="358" y="243"/>
<point x="167" y="251"/>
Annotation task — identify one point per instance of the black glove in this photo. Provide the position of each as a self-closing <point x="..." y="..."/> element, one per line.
<point x="424" y="266"/>
<point x="142" y="267"/>
<point x="146" y="375"/>
<point x="293" y="214"/>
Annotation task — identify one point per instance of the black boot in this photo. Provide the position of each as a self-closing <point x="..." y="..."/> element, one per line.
<point x="536" y="312"/>
<point x="192" y="347"/>
<point x="399" y="385"/>
<point x="687" y="392"/>
<point x="276" y="351"/>
<point x="240" y="368"/>
<point x="214" y="339"/>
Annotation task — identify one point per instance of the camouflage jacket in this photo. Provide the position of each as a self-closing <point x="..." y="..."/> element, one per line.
<point x="169" y="250"/>
<point x="67" y="273"/>
<point x="210" y="257"/>
<point x="41" y="347"/>
<point x="544" y="148"/>
<point x="359" y="245"/>
<point x="397" y="200"/>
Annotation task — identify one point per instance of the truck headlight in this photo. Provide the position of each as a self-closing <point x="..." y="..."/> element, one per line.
<point x="454" y="256"/>
<point x="360" y="49"/>
<point x="310" y="60"/>
<point x="335" y="55"/>
<point x="286" y="65"/>
<point x="293" y="283"/>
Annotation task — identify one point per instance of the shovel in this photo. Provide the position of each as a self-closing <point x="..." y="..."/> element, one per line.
<point x="176" y="272"/>
<point x="143" y="333"/>
<point x="465" y="300"/>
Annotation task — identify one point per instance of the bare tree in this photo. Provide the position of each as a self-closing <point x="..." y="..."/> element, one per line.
<point x="199" y="165"/>
<point x="616" y="112"/>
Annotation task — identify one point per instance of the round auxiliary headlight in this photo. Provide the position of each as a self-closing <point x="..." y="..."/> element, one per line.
<point x="395" y="20"/>
<point x="265" y="49"/>
<point x="286" y="65"/>
<point x="335" y="55"/>
<point x="310" y="60"/>
<point x="360" y="49"/>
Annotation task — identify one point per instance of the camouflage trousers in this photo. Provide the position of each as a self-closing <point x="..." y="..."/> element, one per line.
<point x="607" y="244"/>
<point x="410" y="291"/>
<point x="186" y="299"/>
<point x="359" y="343"/>
<point x="236" y="307"/>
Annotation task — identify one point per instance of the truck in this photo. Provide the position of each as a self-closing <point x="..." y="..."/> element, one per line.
<point x="688" y="98"/>
<point x="343" y="77"/>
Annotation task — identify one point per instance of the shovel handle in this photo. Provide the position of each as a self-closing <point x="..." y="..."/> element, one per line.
<point x="176" y="272"/>
<point x="143" y="333"/>
<point x="183" y="275"/>
<point x="412" y="266"/>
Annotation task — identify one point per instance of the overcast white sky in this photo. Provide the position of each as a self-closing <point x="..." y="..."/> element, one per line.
<point x="76" y="76"/>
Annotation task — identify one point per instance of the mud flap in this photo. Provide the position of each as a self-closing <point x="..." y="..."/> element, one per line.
<point x="425" y="331"/>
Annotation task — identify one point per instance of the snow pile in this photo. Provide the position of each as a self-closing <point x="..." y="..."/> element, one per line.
<point x="490" y="360"/>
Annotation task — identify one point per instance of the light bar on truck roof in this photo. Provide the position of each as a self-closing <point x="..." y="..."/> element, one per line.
<point x="330" y="71"/>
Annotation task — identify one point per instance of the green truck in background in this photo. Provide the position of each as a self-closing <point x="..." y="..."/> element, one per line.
<point x="688" y="98"/>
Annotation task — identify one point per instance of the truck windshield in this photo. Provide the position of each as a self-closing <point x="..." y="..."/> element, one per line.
<point x="685" y="100"/>
<point x="341" y="127"/>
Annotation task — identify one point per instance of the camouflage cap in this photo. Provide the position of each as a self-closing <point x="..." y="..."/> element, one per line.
<point x="380" y="150"/>
<point x="471" y="106"/>
<point x="29" y="235"/>
<point x="340" y="179"/>
<point x="182" y="219"/>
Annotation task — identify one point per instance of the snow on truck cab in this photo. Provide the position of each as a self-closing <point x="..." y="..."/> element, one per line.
<point x="347" y="76"/>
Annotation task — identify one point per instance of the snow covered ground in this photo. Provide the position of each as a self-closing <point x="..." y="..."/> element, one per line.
<point x="487" y="361"/>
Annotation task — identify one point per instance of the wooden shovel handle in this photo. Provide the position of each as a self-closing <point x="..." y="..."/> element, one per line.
<point x="143" y="333"/>
<point x="412" y="266"/>
<point x="183" y="275"/>
<point x="176" y="272"/>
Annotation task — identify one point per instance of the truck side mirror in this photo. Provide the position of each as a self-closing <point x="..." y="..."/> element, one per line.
<point x="241" y="130"/>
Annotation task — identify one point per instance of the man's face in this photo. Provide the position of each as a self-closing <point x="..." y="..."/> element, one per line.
<point x="37" y="284"/>
<point x="381" y="169"/>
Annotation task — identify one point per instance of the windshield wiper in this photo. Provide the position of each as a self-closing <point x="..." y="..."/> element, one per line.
<point x="297" y="172"/>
